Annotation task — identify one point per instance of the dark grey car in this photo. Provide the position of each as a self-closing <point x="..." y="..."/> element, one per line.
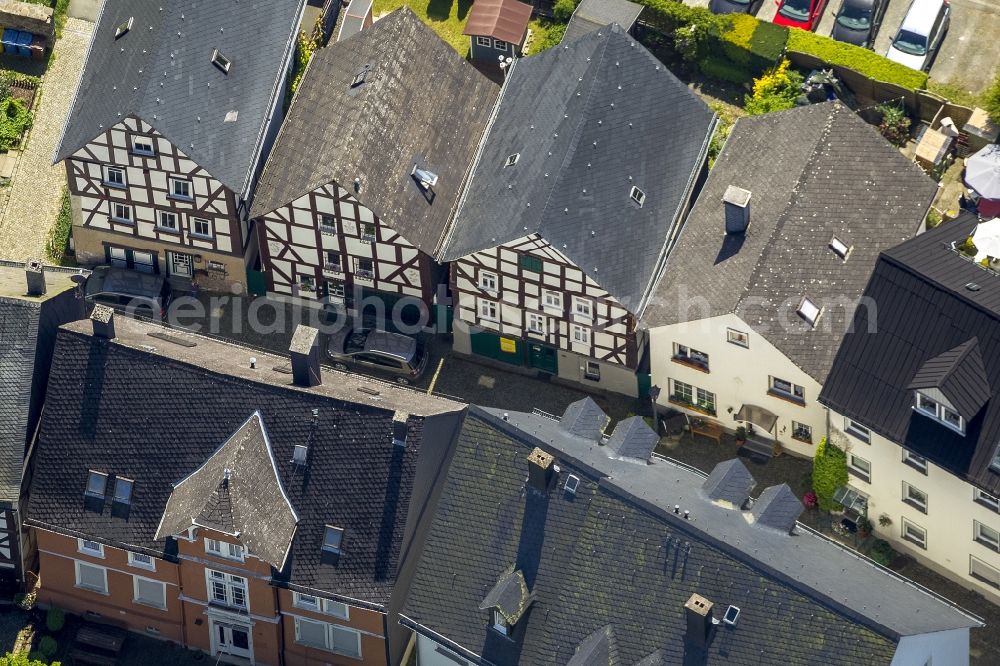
<point x="135" y="292"/>
<point x="735" y="6"/>
<point x="858" y="21"/>
<point x="400" y="356"/>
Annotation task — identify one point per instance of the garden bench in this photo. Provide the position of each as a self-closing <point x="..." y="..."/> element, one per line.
<point x="707" y="429"/>
<point x="761" y="448"/>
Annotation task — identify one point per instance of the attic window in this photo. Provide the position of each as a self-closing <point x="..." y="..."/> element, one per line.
<point x="637" y="195"/>
<point x="97" y="483"/>
<point x="512" y="160"/>
<point x="399" y="433"/>
<point x="839" y="247"/>
<point x="809" y="311"/>
<point x="360" y="76"/>
<point x="221" y="61"/>
<point x="572" y="483"/>
<point x="500" y="623"/>
<point x="123" y="490"/>
<point x="732" y="616"/>
<point x="123" y="27"/>
<point x="299" y="454"/>
<point x="332" y="539"/>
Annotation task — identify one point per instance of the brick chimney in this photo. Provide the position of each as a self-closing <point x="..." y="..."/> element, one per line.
<point x="304" y="352"/>
<point x="540" y="470"/>
<point x="736" y="201"/>
<point x="698" y="611"/>
<point x="103" y="319"/>
<point x="34" y="271"/>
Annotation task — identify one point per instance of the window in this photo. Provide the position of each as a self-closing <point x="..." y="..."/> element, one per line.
<point x="180" y="189"/>
<point x="333" y="538"/>
<point x="582" y="307"/>
<point x="512" y="160"/>
<point x="809" y="311"/>
<point x="305" y="601"/>
<point x="331" y="263"/>
<point x="802" y="432"/>
<point x="221" y="61"/>
<point x="332" y="637"/>
<point x="914" y="497"/>
<point x="123" y="28"/>
<point x="581" y="335"/>
<point x="149" y="592"/>
<point x="572" y="483"/>
<point x="364" y="268"/>
<point x="552" y="300"/>
<point x="592" y="371"/>
<point x="637" y="195"/>
<point x="986" y="535"/>
<point x="141" y="561"/>
<point x="488" y="310"/>
<point x="307" y="283"/>
<point x="168" y="220"/>
<point x="487" y="281"/>
<point x="143" y="145"/>
<point x="987" y="500"/>
<point x="914" y="534"/>
<point x="115" y="177"/>
<point x="536" y="323"/>
<point x="984" y="572"/>
<point x="839" y="247"/>
<point x="939" y="412"/>
<point x="918" y="463"/>
<point x="88" y="547"/>
<point x="91" y="577"/>
<point x="226" y="589"/>
<point x="201" y="227"/>
<point x="327" y="224"/>
<point x="683" y="392"/>
<point x="706" y="400"/>
<point x="499" y="45"/>
<point x="530" y="263"/>
<point x="857" y="430"/>
<point x="738" y="337"/>
<point x="229" y="551"/>
<point x="336" y="609"/>
<point x="689" y="356"/>
<point x="859" y="467"/>
<point x="500" y="623"/>
<point x="787" y="389"/>
<point x="121" y="212"/>
<point x="335" y="289"/>
<point x="123" y="490"/>
<point x="484" y="41"/>
<point x="97" y="483"/>
<point x="368" y="232"/>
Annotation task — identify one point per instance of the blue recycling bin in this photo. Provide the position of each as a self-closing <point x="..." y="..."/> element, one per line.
<point x="9" y="41"/>
<point x="24" y="44"/>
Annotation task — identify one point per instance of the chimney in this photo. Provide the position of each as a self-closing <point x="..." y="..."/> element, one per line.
<point x="698" y="611"/>
<point x="304" y="352"/>
<point x="540" y="470"/>
<point x="35" y="272"/>
<point x="103" y="319"/>
<point x="737" y="203"/>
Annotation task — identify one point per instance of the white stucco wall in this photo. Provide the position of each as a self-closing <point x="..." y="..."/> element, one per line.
<point x="430" y="653"/>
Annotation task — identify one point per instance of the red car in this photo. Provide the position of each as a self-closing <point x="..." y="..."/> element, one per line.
<point x="803" y="14"/>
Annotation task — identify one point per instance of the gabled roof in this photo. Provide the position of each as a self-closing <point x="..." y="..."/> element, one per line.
<point x="584" y="418"/>
<point x="730" y="481"/>
<point x="376" y="130"/>
<point x="632" y="438"/>
<point x="613" y="553"/>
<point x="588" y="121"/>
<point x="510" y="596"/>
<point x="593" y="14"/>
<point x="778" y="508"/>
<point x="814" y="173"/>
<point x="194" y="394"/>
<point x="237" y="490"/>
<point x="928" y="303"/>
<point x="500" y="19"/>
<point x="598" y="649"/>
<point x="959" y="374"/>
<point x="161" y="71"/>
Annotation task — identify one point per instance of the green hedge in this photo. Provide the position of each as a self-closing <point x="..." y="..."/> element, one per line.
<point x="863" y="61"/>
<point x="829" y="473"/>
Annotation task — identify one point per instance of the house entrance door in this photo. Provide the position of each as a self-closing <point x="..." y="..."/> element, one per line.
<point x="180" y="264"/>
<point x="232" y="639"/>
<point x="543" y="358"/>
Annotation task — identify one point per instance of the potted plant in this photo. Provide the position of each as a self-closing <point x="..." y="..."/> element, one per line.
<point x="810" y="500"/>
<point x="884" y="520"/>
<point x="864" y="527"/>
<point x="741" y="435"/>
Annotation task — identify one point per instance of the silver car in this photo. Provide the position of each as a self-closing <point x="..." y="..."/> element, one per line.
<point x="394" y="354"/>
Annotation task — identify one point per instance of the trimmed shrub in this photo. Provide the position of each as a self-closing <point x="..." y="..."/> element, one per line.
<point x="15" y="119"/>
<point x="564" y="9"/>
<point x="754" y="45"/>
<point x="895" y="125"/>
<point x="55" y="620"/>
<point x="48" y="647"/>
<point x="865" y="62"/>
<point x="991" y="100"/>
<point x="829" y="473"/>
<point x="882" y="552"/>
<point x="724" y="70"/>
<point x="775" y="90"/>
<point x="59" y="243"/>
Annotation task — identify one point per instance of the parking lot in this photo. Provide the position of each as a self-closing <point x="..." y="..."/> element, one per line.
<point x="969" y="57"/>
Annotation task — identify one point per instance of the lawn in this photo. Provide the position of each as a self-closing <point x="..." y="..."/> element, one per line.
<point x="446" y="17"/>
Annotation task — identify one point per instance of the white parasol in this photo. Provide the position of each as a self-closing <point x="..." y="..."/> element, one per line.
<point x="982" y="172"/>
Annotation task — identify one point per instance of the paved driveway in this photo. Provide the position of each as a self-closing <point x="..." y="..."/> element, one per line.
<point x="970" y="55"/>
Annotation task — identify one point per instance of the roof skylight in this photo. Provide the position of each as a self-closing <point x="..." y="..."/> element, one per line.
<point x="840" y="248"/>
<point x="809" y="311"/>
<point x="123" y="490"/>
<point x="124" y="27"/>
<point x="637" y="195"/>
<point x="332" y="539"/>
<point x="221" y="61"/>
<point x="512" y="159"/>
<point x="97" y="484"/>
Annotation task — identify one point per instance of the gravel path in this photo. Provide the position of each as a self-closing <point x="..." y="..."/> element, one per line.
<point x="37" y="184"/>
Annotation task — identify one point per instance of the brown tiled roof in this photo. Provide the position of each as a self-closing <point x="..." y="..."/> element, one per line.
<point x="502" y="19"/>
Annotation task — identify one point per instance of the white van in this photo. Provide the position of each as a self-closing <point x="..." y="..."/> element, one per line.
<point x="921" y="33"/>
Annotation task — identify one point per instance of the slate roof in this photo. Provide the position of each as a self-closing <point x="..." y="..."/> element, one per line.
<point x="614" y="553"/>
<point x="777" y="507"/>
<point x="814" y="173"/>
<point x="239" y="491"/>
<point x="500" y="19"/>
<point x="420" y="102"/>
<point x="959" y="374"/>
<point x="730" y="481"/>
<point x="632" y="438"/>
<point x="155" y="411"/>
<point x="593" y="14"/>
<point x="510" y="596"/>
<point x="584" y="418"/>
<point x="598" y="649"/>
<point x="161" y="71"/>
<point x="589" y="120"/>
<point x="922" y="312"/>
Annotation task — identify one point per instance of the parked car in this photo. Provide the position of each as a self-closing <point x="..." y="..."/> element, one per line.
<point x="921" y="33"/>
<point x="858" y="21"/>
<point x="735" y="6"/>
<point x="134" y="292"/>
<point x="400" y="356"/>
<point x="803" y="14"/>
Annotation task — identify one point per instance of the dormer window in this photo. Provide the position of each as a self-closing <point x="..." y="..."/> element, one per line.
<point x="221" y="61"/>
<point x="809" y="311"/>
<point x="840" y="248"/>
<point x="124" y="27"/>
<point x="637" y="195"/>
<point x="512" y="160"/>
<point x="97" y="483"/>
<point x="500" y="623"/>
<point x="332" y="539"/>
<point x="123" y="490"/>
<point x="935" y="409"/>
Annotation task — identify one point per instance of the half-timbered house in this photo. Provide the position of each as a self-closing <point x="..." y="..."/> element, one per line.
<point x="364" y="177"/>
<point x="571" y="208"/>
<point x="177" y="107"/>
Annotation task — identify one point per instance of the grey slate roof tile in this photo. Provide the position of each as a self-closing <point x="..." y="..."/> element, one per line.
<point x="814" y="172"/>
<point x="777" y="507"/>
<point x="632" y="438"/>
<point x="420" y="103"/>
<point x="593" y="14"/>
<point x="161" y="72"/>
<point x="584" y="418"/>
<point x="598" y="649"/>
<point x="730" y="481"/>
<point x="589" y="120"/>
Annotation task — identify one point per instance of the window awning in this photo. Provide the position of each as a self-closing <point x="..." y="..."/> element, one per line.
<point x="758" y="416"/>
<point x="851" y="499"/>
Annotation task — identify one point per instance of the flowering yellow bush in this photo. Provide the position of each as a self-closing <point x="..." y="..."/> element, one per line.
<point x="775" y="90"/>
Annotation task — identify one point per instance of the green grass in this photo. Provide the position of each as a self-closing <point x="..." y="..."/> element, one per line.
<point x="955" y="93"/>
<point x="546" y="34"/>
<point x="446" y="17"/>
<point x="59" y="235"/>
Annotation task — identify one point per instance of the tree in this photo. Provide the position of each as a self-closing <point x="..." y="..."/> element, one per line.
<point x="829" y="473"/>
<point x="22" y="659"/>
